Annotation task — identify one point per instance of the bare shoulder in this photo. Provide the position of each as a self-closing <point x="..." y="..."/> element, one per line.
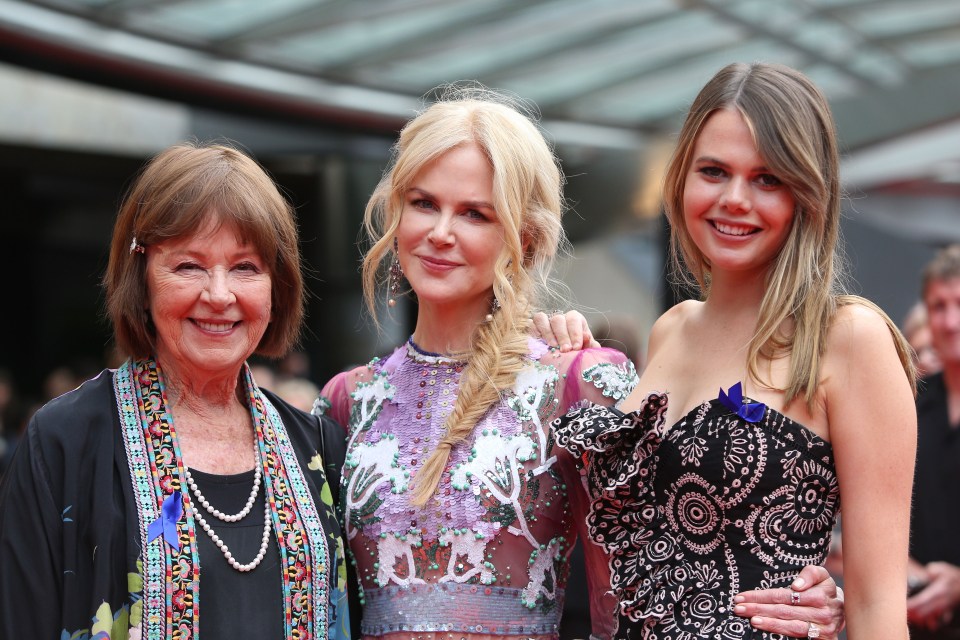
<point x="859" y="327"/>
<point x="671" y="322"/>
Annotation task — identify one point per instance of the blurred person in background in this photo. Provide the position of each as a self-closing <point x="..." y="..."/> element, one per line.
<point x="459" y="510"/>
<point x="934" y="606"/>
<point x="916" y="329"/>
<point x="700" y="498"/>
<point x="171" y="497"/>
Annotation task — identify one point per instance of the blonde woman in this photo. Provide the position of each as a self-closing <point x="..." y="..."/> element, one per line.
<point x="460" y="511"/>
<point x="700" y="496"/>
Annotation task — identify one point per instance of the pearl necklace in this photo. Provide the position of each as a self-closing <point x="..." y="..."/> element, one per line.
<point x="224" y="549"/>
<point x="216" y="513"/>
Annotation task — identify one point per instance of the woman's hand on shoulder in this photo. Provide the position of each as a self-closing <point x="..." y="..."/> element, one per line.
<point x="569" y="331"/>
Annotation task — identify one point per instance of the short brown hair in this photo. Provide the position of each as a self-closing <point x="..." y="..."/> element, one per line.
<point x="179" y="192"/>
<point x="944" y="266"/>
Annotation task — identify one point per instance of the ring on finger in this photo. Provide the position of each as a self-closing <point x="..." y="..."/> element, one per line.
<point x="795" y="598"/>
<point x="813" y="631"/>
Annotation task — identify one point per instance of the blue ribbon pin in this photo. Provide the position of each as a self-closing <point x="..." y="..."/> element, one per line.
<point x="166" y="524"/>
<point x="750" y="411"/>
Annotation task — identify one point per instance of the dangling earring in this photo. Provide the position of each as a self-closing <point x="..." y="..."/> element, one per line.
<point x="396" y="274"/>
<point x="494" y="307"/>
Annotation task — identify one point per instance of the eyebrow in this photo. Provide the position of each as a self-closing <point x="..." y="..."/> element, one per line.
<point x="711" y="160"/>
<point x="474" y="204"/>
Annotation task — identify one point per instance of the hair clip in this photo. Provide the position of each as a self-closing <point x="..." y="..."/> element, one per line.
<point x="136" y="246"/>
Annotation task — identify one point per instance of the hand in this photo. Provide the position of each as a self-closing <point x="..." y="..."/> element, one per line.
<point x="569" y="330"/>
<point x="821" y="602"/>
<point x="932" y="607"/>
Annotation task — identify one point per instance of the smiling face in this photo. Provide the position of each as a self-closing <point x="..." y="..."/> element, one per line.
<point x="737" y="212"/>
<point x="209" y="298"/>
<point x="449" y="236"/>
<point x="942" y="299"/>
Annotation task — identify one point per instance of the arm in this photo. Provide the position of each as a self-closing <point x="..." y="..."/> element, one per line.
<point x="30" y="527"/>
<point x="873" y="429"/>
<point x="600" y="376"/>
<point x="334" y="401"/>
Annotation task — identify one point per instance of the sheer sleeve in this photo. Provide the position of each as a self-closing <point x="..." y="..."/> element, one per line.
<point x="335" y="399"/>
<point x="590" y="377"/>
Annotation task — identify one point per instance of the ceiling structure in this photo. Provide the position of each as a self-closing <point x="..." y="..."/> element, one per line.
<point x="604" y="73"/>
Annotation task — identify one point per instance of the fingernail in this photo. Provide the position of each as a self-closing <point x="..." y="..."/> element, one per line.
<point x="739" y="609"/>
<point x="756" y="621"/>
<point x="565" y="347"/>
<point x="799" y="583"/>
<point x="738" y="598"/>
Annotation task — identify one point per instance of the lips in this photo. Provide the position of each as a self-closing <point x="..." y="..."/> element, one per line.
<point x="437" y="263"/>
<point x="736" y="230"/>
<point x="215" y="327"/>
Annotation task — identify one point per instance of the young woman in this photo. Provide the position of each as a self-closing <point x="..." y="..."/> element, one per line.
<point x="698" y="496"/>
<point x="459" y="510"/>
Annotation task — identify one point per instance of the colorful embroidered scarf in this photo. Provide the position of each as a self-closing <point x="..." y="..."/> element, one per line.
<point x="171" y="570"/>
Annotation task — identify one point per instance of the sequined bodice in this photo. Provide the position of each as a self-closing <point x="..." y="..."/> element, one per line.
<point x="487" y="554"/>
<point x="717" y="504"/>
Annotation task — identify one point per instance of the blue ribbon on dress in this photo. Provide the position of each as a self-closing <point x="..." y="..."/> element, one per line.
<point x="166" y="524"/>
<point x="733" y="400"/>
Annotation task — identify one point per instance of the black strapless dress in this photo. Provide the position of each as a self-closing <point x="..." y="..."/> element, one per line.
<point x="734" y="496"/>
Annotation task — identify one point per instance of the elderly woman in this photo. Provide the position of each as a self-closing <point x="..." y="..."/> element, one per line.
<point x="172" y="497"/>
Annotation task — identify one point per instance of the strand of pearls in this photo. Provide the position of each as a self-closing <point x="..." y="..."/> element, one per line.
<point x="216" y="513"/>
<point x="224" y="549"/>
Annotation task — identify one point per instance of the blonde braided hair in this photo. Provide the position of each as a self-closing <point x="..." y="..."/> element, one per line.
<point x="528" y="197"/>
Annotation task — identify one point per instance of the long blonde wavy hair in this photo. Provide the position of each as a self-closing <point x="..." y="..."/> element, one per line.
<point x="795" y="133"/>
<point x="528" y="197"/>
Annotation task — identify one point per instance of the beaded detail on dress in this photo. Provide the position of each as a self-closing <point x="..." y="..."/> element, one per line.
<point x="694" y="514"/>
<point x="487" y="554"/>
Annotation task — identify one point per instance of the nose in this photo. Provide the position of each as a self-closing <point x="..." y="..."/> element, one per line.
<point x="219" y="292"/>
<point x="442" y="231"/>
<point x="736" y="196"/>
<point x="951" y="316"/>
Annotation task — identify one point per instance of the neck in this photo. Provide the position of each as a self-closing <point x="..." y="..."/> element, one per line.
<point x="447" y="331"/>
<point x="199" y="393"/>
<point x="736" y="294"/>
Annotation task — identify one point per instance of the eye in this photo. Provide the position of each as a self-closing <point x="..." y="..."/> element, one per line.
<point x="248" y="267"/>
<point x="769" y="181"/>
<point x="711" y="172"/>
<point x="187" y="266"/>
<point x="423" y="204"/>
<point x="474" y="214"/>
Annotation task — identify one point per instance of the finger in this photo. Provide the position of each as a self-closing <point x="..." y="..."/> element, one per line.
<point x="792" y="628"/>
<point x="558" y="323"/>
<point x="781" y="596"/>
<point x="588" y="341"/>
<point x="812" y="575"/>
<point x="541" y="328"/>
<point x="574" y="324"/>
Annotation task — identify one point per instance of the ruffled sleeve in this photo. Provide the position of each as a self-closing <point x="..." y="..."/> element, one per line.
<point x="617" y="453"/>
<point x="597" y="377"/>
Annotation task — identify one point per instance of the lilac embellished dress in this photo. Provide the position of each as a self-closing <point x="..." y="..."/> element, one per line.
<point x="487" y="557"/>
